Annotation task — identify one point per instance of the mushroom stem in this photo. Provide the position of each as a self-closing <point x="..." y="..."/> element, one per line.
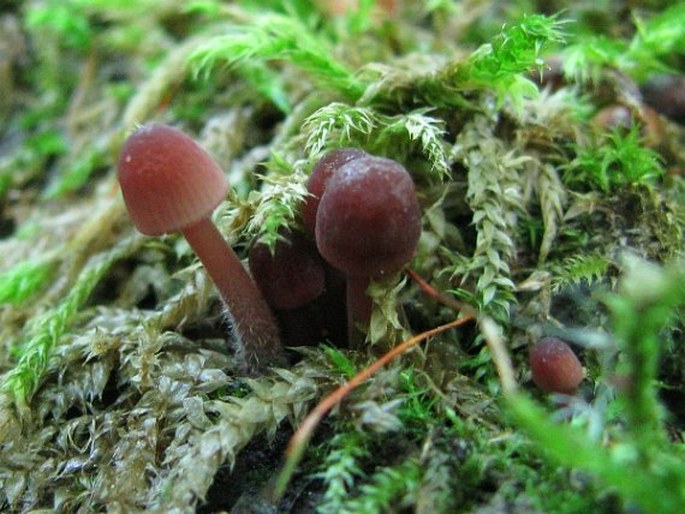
<point x="252" y="320"/>
<point x="359" y="305"/>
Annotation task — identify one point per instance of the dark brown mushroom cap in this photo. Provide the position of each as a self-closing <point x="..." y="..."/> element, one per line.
<point x="555" y="367"/>
<point x="320" y="176"/>
<point x="168" y="180"/>
<point x="369" y="221"/>
<point x="292" y="276"/>
<point x="666" y="94"/>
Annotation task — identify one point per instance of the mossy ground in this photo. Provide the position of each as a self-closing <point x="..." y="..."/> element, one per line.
<point x="119" y="390"/>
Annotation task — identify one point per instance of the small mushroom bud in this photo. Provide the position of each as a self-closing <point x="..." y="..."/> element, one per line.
<point x="620" y="117"/>
<point x="319" y="178"/>
<point x="171" y="184"/>
<point x="614" y="117"/>
<point x="290" y="277"/>
<point x="301" y="289"/>
<point x="555" y="367"/>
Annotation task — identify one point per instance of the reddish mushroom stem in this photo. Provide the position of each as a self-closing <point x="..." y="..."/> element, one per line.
<point x="359" y="304"/>
<point x="259" y="340"/>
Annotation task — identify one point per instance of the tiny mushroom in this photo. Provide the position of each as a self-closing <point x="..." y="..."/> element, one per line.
<point x="170" y="184"/>
<point x="321" y="174"/>
<point x="290" y="276"/>
<point x="368" y="225"/>
<point x="615" y="116"/>
<point x="295" y="282"/>
<point x="555" y="367"/>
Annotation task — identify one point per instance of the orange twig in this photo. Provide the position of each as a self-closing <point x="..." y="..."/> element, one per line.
<point x="304" y="433"/>
<point x="442" y="298"/>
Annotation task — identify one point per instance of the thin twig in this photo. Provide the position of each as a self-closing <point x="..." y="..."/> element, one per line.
<point x="442" y="298"/>
<point x="298" y="442"/>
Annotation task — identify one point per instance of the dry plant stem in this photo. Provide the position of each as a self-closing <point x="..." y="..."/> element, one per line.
<point x="80" y="93"/>
<point x="500" y="355"/>
<point x="304" y="433"/>
<point x="254" y="324"/>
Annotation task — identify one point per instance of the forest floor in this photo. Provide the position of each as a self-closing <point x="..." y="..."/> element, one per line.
<point x="546" y="144"/>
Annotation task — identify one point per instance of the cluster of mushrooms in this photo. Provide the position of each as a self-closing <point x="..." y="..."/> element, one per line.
<point x="363" y="212"/>
<point x="361" y="221"/>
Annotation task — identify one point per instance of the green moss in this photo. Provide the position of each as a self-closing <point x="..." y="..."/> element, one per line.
<point x="120" y="389"/>
<point x="614" y="161"/>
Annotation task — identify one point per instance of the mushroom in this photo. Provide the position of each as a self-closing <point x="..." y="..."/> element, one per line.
<point x="170" y="184"/>
<point x="555" y="367"/>
<point x="368" y="225"/>
<point x="301" y="288"/>
<point x="321" y="174"/>
<point x="290" y="276"/>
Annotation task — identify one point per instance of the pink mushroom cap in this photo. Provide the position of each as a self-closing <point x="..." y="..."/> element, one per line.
<point x="168" y="180"/>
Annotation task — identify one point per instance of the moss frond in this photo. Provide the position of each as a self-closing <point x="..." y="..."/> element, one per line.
<point x="272" y="36"/>
<point x="338" y="125"/>
<point x="66" y="20"/>
<point x="219" y="430"/>
<point x="614" y="161"/>
<point x="386" y="489"/>
<point x="277" y="205"/>
<point x="585" y="269"/>
<point x="341" y="468"/>
<point x="429" y="132"/>
<point x="655" y="41"/>
<point x="21" y="165"/>
<point x="499" y="65"/>
<point x="23" y="380"/>
<point x="498" y="68"/>
<point x="553" y="195"/>
<point x="647" y="298"/>
<point x="76" y="172"/>
<point x="385" y="324"/>
<point x="20" y="282"/>
<point x="172" y="70"/>
<point x="495" y="198"/>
